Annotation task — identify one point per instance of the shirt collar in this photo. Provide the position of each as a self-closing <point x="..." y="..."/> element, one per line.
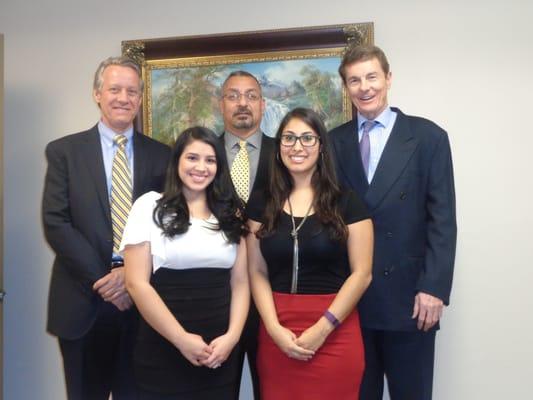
<point x="383" y="119"/>
<point x="254" y="140"/>
<point x="107" y="134"/>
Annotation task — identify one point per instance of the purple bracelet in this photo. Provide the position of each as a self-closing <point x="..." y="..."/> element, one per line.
<point x="332" y="319"/>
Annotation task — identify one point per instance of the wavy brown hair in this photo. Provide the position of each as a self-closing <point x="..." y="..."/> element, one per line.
<point x="323" y="181"/>
<point x="171" y="213"/>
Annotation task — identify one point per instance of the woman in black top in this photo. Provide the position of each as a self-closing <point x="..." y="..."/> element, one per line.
<point x="310" y="258"/>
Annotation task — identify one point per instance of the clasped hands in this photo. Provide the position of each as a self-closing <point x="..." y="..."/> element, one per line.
<point x="112" y="288"/>
<point x="200" y="354"/>
<point x="302" y="347"/>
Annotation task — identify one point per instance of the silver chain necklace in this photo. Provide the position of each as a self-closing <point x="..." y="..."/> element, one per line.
<point x="294" y="234"/>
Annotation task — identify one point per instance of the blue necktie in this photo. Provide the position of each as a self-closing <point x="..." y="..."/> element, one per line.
<point x="364" y="144"/>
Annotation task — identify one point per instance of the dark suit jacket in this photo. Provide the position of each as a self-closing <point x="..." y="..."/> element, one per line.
<point x="263" y="167"/>
<point x="77" y="221"/>
<point x="412" y="202"/>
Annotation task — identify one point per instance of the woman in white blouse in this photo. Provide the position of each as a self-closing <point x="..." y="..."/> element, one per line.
<point x="185" y="262"/>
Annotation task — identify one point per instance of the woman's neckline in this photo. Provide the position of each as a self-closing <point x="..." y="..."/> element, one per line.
<point x="297" y="216"/>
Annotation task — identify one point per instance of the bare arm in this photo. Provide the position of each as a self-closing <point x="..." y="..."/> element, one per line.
<point x="138" y="268"/>
<point x="240" y="303"/>
<point x="360" y="247"/>
<point x="262" y="293"/>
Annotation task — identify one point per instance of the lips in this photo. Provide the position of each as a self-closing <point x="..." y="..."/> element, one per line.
<point x="297" y="159"/>
<point x="366" y="98"/>
<point x="198" y="178"/>
<point x="121" y="109"/>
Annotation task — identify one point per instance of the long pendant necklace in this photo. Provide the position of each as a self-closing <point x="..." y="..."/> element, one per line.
<point x="294" y="234"/>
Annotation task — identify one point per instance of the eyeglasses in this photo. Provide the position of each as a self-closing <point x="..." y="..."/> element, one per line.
<point x="236" y="96"/>
<point x="305" y="140"/>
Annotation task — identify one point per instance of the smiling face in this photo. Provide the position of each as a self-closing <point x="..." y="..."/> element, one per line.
<point x="197" y="167"/>
<point x="242" y="115"/>
<point x="299" y="159"/>
<point x="367" y="85"/>
<point x="119" y="98"/>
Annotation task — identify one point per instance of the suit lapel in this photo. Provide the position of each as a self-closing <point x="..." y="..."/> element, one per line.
<point x="397" y="152"/>
<point x="140" y="167"/>
<point x="349" y="158"/>
<point x="262" y="174"/>
<point x="92" y="154"/>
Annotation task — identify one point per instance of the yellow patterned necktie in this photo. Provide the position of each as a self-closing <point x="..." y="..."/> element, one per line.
<point x="240" y="172"/>
<point x="121" y="190"/>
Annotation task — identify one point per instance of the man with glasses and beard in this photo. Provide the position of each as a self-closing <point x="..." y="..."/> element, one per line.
<point x="248" y="152"/>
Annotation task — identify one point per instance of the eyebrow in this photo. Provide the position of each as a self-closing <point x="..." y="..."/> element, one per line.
<point x="303" y="133"/>
<point x="190" y="153"/>
<point x="245" y="91"/>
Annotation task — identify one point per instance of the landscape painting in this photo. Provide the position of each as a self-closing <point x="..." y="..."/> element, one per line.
<point x="184" y="93"/>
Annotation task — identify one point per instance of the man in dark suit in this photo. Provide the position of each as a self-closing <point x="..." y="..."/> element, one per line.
<point x="242" y="106"/>
<point x="89" y="309"/>
<point x="401" y="165"/>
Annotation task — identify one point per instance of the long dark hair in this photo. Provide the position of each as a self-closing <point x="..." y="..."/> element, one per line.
<point x="323" y="181"/>
<point x="171" y="213"/>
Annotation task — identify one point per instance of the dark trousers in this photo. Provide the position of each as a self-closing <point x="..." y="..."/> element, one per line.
<point x="100" y="362"/>
<point x="405" y="358"/>
<point x="249" y="347"/>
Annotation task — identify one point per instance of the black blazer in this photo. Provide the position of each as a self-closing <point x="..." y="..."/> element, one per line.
<point x="77" y="221"/>
<point x="412" y="202"/>
<point x="262" y="177"/>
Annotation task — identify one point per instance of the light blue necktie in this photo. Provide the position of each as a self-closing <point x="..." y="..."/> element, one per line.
<point x="364" y="144"/>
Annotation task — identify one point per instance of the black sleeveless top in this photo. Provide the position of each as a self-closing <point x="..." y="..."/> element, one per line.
<point x="323" y="261"/>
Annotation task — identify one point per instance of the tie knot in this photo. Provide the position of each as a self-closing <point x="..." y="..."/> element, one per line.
<point x="242" y="144"/>
<point x="120" y="140"/>
<point x="368" y="125"/>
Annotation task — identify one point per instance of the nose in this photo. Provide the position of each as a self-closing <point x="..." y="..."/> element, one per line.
<point x="122" y="95"/>
<point x="364" y="84"/>
<point x="201" y="166"/>
<point x="298" y="145"/>
<point x="243" y="101"/>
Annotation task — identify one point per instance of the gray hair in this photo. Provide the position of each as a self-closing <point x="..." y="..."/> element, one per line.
<point x="242" y="74"/>
<point x="120" y="61"/>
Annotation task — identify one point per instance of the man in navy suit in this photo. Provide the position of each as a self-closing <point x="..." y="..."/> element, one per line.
<point x="401" y="165"/>
<point x="89" y="309"/>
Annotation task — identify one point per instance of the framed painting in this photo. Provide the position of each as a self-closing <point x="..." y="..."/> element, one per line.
<point x="295" y="67"/>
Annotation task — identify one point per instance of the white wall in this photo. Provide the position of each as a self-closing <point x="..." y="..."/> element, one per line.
<point x="466" y="65"/>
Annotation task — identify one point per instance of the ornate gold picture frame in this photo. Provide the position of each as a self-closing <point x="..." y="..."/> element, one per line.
<point x="296" y="67"/>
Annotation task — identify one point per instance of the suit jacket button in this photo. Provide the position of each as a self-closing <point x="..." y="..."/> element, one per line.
<point x="389" y="234"/>
<point x="403" y="195"/>
<point x="386" y="272"/>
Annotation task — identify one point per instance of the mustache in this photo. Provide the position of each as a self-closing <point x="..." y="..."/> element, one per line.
<point x="242" y="110"/>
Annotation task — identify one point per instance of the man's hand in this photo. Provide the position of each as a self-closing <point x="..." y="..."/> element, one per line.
<point x="428" y="309"/>
<point x="111" y="286"/>
<point x="123" y="302"/>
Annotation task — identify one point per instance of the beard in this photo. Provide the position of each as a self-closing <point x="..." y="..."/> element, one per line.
<point x="243" y="119"/>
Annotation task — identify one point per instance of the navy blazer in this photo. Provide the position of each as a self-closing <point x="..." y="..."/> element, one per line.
<point x="77" y="221"/>
<point x="412" y="203"/>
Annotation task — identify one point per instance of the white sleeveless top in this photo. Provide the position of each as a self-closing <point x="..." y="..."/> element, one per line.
<point x="199" y="247"/>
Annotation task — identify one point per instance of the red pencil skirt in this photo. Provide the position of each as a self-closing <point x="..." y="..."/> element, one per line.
<point x="334" y="372"/>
